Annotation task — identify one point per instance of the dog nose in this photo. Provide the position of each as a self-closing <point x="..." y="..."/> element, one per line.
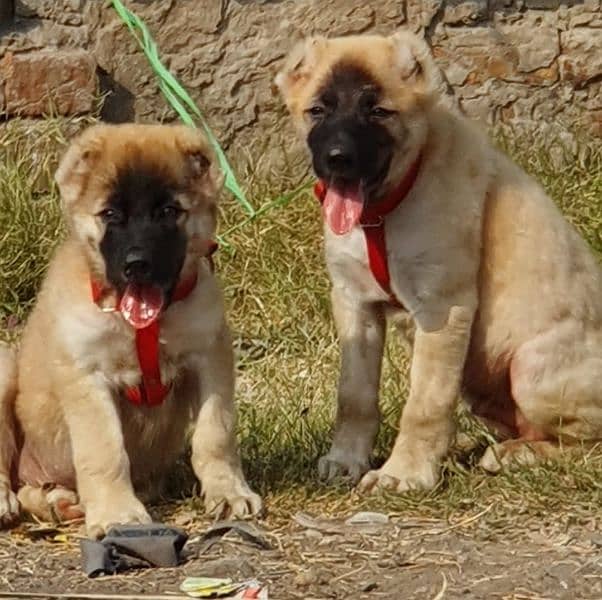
<point x="340" y="160"/>
<point x="137" y="265"/>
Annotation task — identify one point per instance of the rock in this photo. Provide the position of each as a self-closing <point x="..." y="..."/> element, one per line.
<point x="581" y="59"/>
<point x="542" y="4"/>
<point x="421" y="13"/>
<point x="368" y="518"/>
<point x="312" y="576"/>
<point x="482" y="51"/>
<point x="535" y="38"/>
<point x="456" y="73"/>
<point x="465" y="13"/>
<point x="67" y="12"/>
<point x="45" y="81"/>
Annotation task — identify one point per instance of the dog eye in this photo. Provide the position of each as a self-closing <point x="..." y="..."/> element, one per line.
<point x="170" y="212"/>
<point x="378" y="112"/>
<point x="110" y="215"/>
<point x="316" y="111"/>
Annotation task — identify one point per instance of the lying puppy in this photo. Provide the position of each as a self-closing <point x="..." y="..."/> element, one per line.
<point x="127" y="345"/>
<point x="422" y="214"/>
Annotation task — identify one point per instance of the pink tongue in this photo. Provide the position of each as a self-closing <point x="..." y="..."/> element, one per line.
<point x="141" y="304"/>
<point x="342" y="208"/>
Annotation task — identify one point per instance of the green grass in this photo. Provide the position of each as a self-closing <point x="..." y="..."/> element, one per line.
<point x="277" y="294"/>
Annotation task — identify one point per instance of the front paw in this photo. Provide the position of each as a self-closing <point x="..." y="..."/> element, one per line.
<point x="227" y="494"/>
<point x="9" y="506"/>
<point x="102" y="515"/>
<point x="338" y="463"/>
<point x="402" y="474"/>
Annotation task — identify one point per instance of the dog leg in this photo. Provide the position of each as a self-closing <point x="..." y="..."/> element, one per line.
<point x="9" y="506"/>
<point x="427" y="423"/>
<point x="555" y="380"/>
<point x="101" y="463"/>
<point x="215" y="457"/>
<point x="361" y="332"/>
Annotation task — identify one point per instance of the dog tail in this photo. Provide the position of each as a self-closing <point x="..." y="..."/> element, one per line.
<point x="8" y="392"/>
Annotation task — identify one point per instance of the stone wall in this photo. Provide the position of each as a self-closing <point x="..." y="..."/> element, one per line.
<point x="510" y="61"/>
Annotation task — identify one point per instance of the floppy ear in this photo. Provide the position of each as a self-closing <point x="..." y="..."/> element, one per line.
<point x="77" y="162"/>
<point x="201" y="164"/>
<point x="415" y="62"/>
<point x="298" y="65"/>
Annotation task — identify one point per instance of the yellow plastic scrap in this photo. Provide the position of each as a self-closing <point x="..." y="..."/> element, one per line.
<point x="208" y="587"/>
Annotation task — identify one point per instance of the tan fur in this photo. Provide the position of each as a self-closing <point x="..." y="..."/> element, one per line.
<point x="79" y="432"/>
<point x="505" y="296"/>
<point x="9" y="507"/>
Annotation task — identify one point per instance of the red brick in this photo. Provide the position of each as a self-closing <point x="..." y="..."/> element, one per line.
<point x="36" y="83"/>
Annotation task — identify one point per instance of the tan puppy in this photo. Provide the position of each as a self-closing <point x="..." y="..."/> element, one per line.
<point x="423" y="213"/>
<point x="127" y="347"/>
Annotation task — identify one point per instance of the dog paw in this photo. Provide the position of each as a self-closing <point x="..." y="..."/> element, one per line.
<point x="515" y="453"/>
<point x="342" y="464"/>
<point x="64" y="504"/>
<point x="227" y="494"/>
<point x="9" y="506"/>
<point x="401" y="476"/>
<point x="101" y="516"/>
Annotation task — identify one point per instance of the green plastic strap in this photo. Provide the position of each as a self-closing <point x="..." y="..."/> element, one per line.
<point x="179" y="98"/>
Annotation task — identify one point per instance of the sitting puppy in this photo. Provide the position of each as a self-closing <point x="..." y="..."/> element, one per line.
<point x="127" y="345"/>
<point x="423" y="215"/>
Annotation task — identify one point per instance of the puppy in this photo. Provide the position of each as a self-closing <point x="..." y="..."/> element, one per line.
<point x="127" y="347"/>
<point x="424" y="218"/>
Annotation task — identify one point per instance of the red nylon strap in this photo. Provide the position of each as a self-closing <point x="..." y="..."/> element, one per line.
<point x="151" y="391"/>
<point x="373" y="226"/>
<point x="376" y="243"/>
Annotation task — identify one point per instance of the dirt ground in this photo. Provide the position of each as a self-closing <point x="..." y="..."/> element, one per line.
<point x="321" y="558"/>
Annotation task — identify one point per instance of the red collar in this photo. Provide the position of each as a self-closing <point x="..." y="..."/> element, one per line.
<point x="151" y="391"/>
<point x="373" y="225"/>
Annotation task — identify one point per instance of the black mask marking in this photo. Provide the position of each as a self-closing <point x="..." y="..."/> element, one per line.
<point x="143" y="243"/>
<point x="348" y="141"/>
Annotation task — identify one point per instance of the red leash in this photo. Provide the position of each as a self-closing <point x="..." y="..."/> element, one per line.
<point x="151" y="391"/>
<point x="373" y="226"/>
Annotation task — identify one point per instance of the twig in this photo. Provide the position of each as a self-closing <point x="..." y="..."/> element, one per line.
<point x="345" y="575"/>
<point x="441" y="592"/>
<point x="460" y="523"/>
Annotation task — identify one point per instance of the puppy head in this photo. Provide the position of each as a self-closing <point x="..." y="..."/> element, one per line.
<point x="361" y="102"/>
<point x="141" y="200"/>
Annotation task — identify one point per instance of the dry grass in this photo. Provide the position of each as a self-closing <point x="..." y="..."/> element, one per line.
<point x="278" y="298"/>
<point x="30" y="220"/>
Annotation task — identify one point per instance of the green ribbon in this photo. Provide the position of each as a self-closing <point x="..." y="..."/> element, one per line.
<point x="179" y="98"/>
<point x="182" y="103"/>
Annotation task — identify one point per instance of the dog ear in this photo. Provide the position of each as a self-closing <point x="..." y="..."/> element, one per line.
<point x="201" y="165"/>
<point x="415" y="62"/>
<point x="76" y="164"/>
<point x="298" y="65"/>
